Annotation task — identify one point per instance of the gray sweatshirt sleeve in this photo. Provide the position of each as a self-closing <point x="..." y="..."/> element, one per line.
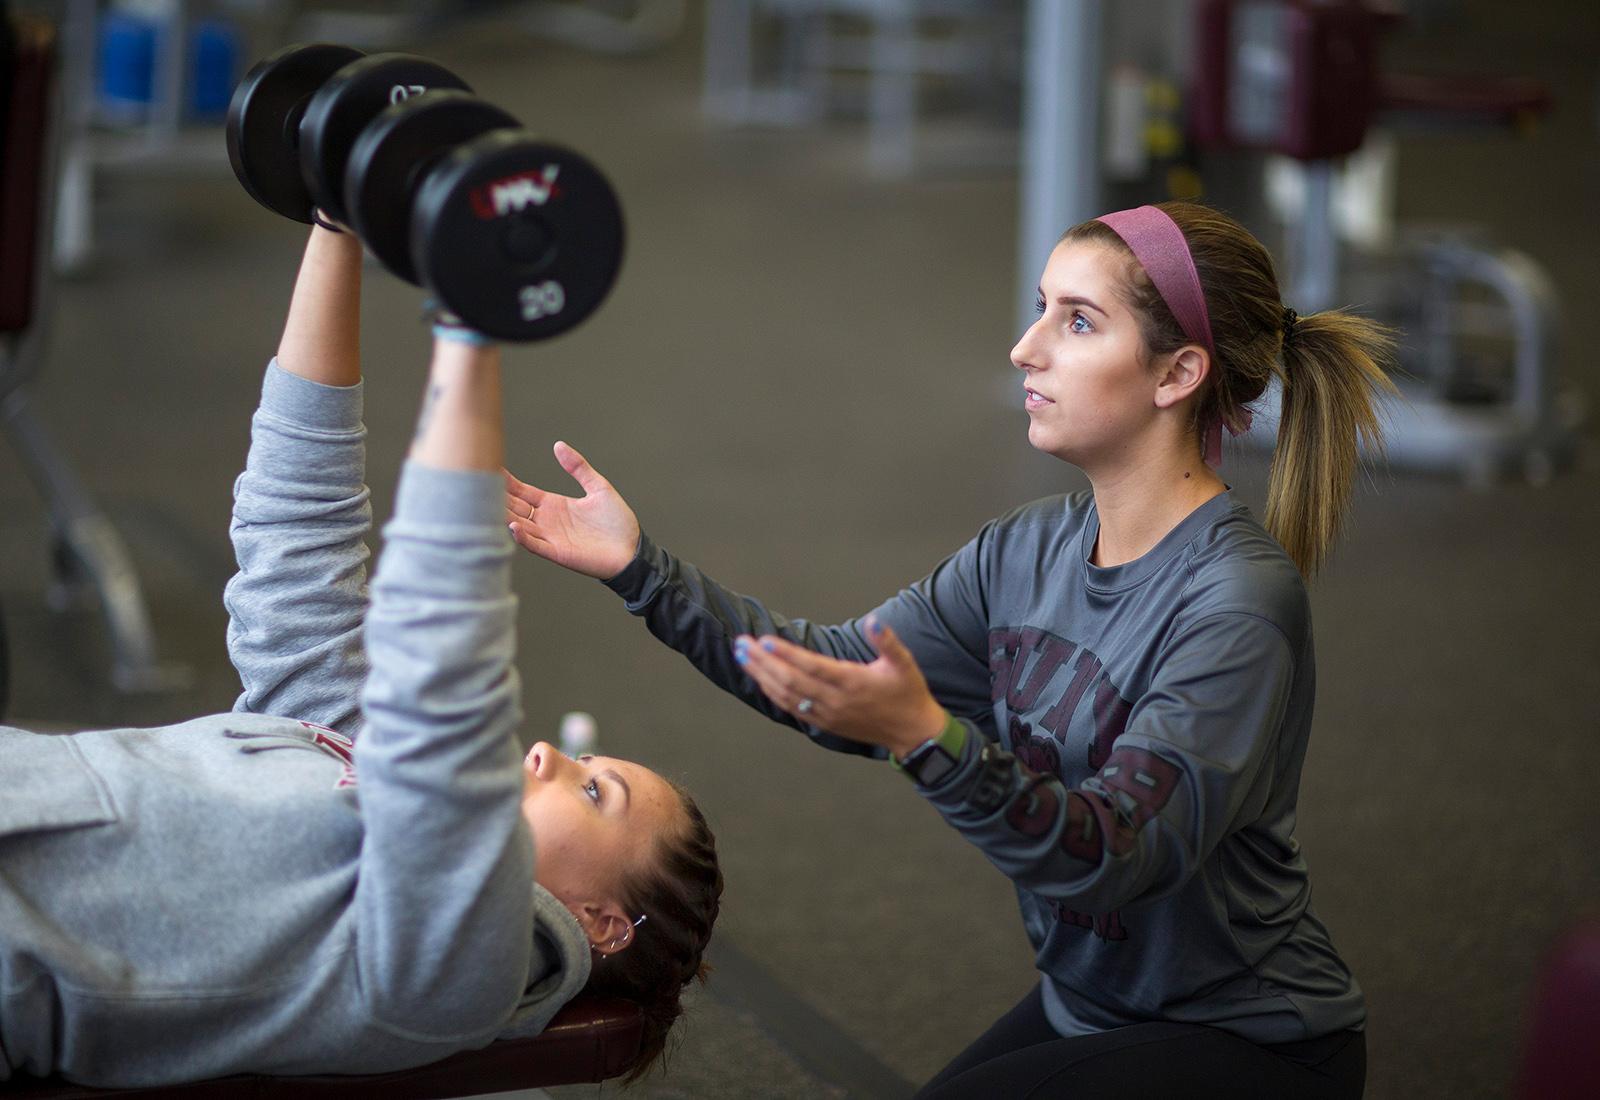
<point x="300" y="517"/>
<point x="1194" y="759"/>
<point x="941" y="619"/>
<point x="444" y="900"/>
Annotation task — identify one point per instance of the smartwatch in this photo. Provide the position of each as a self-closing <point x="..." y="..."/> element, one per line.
<point x="933" y="761"/>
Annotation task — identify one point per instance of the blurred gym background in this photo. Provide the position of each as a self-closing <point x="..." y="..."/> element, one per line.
<point x="836" y="214"/>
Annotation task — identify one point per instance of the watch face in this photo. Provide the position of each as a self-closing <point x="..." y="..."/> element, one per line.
<point x="930" y="764"/>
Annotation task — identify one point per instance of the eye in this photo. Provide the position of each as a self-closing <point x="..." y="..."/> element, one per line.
<point x="1038" y="304"/>
<point x="592" y="789"/>
<point x="1080" y="323"/>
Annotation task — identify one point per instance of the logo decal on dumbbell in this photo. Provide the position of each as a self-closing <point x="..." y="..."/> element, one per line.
<point x="402" y="92"/>
<point x="514" y="193"/>
<point x="542" y="300"/>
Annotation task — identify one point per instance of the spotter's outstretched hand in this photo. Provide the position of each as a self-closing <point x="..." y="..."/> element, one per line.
<point x="595" y="534"/>
<point x="884" y="702"/>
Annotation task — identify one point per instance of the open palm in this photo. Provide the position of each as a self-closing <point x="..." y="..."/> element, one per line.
<point x="595" y="534"/>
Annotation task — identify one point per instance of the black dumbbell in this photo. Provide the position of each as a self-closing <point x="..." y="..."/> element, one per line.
<point x="394" y="153"/>
<point x="263" y="128"/>
<point x="522" y="239"/>
<point x="295" y="115"/>
<point x="519" y="237"/>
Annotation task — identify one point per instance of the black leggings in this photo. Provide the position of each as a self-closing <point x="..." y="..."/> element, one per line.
<point x="1022" y="1056"/>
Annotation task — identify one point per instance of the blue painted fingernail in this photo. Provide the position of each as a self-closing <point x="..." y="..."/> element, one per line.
<point x="770" y="646"/>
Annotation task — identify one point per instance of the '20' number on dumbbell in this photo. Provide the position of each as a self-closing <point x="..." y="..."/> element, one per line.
<point x="402" y="92"/>
<point x="544" y="299"/>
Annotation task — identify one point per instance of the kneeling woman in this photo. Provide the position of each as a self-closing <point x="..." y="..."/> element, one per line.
<point x="357" y="870"/>
<point x="1109" y="692"/>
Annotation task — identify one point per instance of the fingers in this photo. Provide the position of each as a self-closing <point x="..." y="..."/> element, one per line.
<point x="529" y="540"/>
<point x="520" y="496"/>
<point x="887" y="643"/>
<point x="826" y="671"/>
<point x="587" y="477"/>
<point x="803" y="683"/>
<point x="519" y="507"/>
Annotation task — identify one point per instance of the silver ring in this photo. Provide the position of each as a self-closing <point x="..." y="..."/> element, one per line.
<point x="804" y="706"/>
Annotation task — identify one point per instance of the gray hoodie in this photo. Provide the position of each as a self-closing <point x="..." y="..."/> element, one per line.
<point x="334" y="878"/>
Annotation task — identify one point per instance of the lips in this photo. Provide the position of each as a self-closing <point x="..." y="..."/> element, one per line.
<point x="1033" y="399"/>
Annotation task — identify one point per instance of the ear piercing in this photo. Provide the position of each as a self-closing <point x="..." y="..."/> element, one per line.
<point x="612" y="946"/>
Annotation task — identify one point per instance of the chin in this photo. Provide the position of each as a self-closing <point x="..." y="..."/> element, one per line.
<point x="1041" y="438"/>
<point x="1057" y="449"/>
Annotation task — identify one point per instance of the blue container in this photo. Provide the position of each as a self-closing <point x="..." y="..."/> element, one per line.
<point x="127" y="58"/>
<point x="213" y="67"/>
<point x="130" y="51"/>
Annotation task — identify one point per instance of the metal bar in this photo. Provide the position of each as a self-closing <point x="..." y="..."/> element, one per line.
<point x="1060" y="181"/>
<point x="892" y="112"/>
<point x="98" y="554"/>
<point x="1316" y="276"/>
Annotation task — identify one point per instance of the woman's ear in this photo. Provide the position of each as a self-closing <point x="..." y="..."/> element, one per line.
<point x="606" y="925"/>
<point x="1182" y="375"/>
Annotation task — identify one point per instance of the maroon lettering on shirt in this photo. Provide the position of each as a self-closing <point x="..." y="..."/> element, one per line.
<point x="1108" y="926"/>
<point x="1057" y="718"/>
<point x="1033" y="810"/>
<point x="1111" y="712"/>
<point x="1140" y="782"/>
<point x="1003" y="646"/>
<point x="1052" y="654"/>
<point x="1081" y="837"/>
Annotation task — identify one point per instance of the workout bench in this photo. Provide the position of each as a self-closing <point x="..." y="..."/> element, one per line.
<point x="591" y="1039"/>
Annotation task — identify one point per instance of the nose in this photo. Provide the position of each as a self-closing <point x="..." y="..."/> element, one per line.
<point x="544" y="761"/>
<point x="1020" y="353"/>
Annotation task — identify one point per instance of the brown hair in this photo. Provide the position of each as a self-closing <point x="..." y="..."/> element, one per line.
<point x="679" y="896"/>
<point x="1331" y="370"/>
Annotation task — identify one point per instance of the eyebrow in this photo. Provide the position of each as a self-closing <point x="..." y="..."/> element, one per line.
<point x="627" y="795"/>
<point x="1071" y="300"/>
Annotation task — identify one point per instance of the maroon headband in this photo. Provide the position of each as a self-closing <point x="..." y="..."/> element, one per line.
<point x="1158" y="244"/>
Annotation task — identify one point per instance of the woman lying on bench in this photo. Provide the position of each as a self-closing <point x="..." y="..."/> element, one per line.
<point x="357" y="870"/>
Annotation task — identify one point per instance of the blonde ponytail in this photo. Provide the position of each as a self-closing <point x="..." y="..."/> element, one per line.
<point x="1332" y="376"/>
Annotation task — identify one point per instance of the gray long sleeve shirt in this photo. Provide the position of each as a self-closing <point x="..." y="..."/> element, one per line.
<point x="1135" y="737"/>
<point x="336" y="877"/>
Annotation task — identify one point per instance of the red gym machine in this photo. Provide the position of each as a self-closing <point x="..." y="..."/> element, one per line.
<point x="1302" y="79"/>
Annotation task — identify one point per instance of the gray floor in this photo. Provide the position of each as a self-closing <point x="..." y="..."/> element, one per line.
<point x="801" y="383"/>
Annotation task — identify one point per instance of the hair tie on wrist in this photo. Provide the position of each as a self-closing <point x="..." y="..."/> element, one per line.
<point x="321" y="222"/>
<point x="443" y="330"/>
<point x="447" y="326"/>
